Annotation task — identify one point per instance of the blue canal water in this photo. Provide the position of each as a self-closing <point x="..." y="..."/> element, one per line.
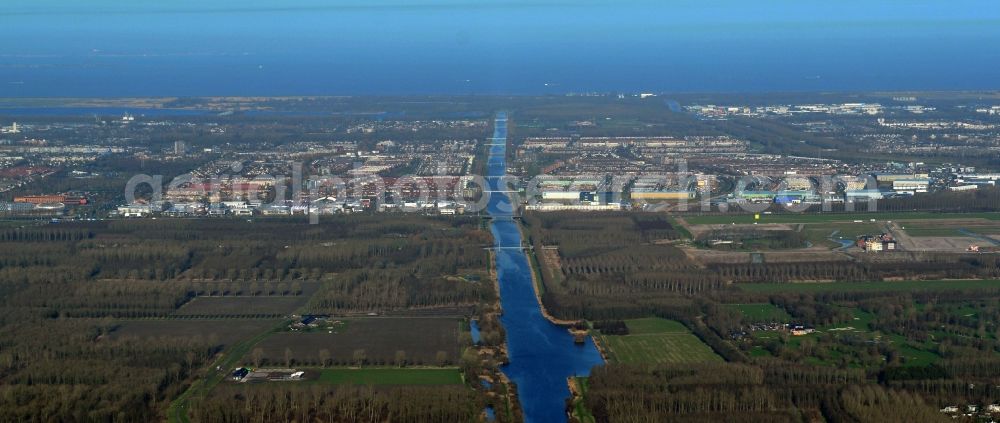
<point x="474" y="330"/>
<point x="542" y="355"/>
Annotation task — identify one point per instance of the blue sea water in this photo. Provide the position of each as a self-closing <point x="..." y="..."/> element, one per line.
<point x="356" y="47"/>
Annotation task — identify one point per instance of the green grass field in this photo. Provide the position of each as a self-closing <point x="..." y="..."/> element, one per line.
<point x="819" y="233"/>
<point x="913" y="354"/>
<point x="580" y="411"/>
<point x="654" y="325"/>
<point x="680" y="228"/>
<point x="655" y="340"/>
<point x="384" y="376"/>
<point x="767" y="288"/>
<point x="815" y="217"/>
<point x="954" y="228"/>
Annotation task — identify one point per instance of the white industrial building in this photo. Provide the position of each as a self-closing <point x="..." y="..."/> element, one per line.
<point x="135" y="210"/>
<point x="911" y="185"/>
<point x="863" y="194"/>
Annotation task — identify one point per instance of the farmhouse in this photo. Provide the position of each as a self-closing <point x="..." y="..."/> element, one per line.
<point x="801" y="330"/>
<point x="873" y="244"/>
<point x="240" y="373"/>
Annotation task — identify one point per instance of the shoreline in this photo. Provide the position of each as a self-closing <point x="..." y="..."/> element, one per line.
<point x="535" y="283"/>
<point x="600" y="349"/>
<point x="498" y="305"/>
<point x="568" y="324"/>
<point x="500" y="352"/>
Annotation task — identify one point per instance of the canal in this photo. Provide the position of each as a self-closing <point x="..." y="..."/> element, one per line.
<point x="542" y="355"/>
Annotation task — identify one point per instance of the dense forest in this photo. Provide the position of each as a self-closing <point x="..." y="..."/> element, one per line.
<point x="344" y="404"/>
<point x="882" y="356"/>
<point x="863" y="352"/>
<point x="601" y="266"/>
<point x="766" y="392"/>
<point x="66" y="287"/>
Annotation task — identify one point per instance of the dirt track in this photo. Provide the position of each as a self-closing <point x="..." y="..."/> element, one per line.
<point x="698" y="230"/>
<point x="952" y="244"/>
<point x="811" y="254"/>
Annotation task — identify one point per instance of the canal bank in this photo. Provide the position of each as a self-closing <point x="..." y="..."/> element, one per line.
<point x="539" y="286"/>
<point x="541" y="354"/>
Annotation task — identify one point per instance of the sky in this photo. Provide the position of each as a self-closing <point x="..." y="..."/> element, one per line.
<point x="185" y="47"/>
